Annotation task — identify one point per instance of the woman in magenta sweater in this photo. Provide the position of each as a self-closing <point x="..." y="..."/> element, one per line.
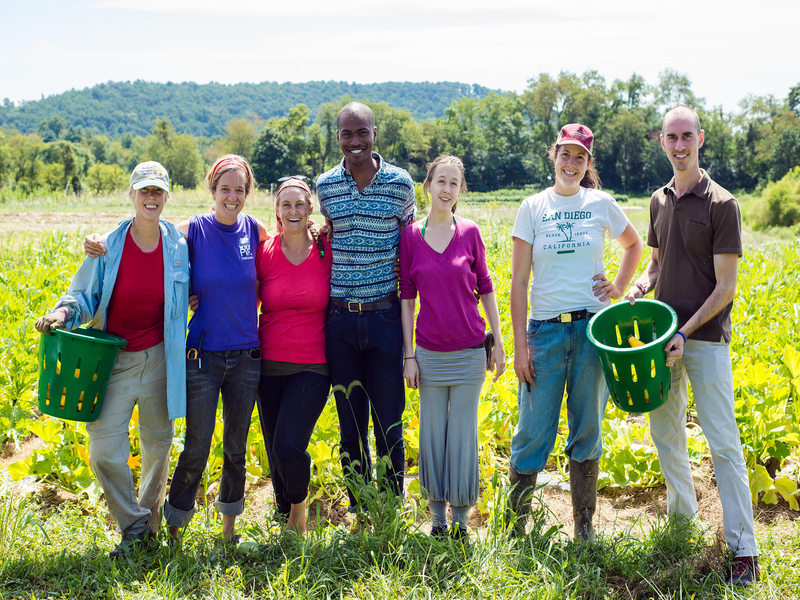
<point x="294" y="274"/>
<point x="442" y="258"/>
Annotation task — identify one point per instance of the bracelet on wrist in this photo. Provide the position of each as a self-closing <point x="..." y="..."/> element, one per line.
<point x="410" y="357"/>
<point x="680" y="333"/>
<point x="640" y="287"/>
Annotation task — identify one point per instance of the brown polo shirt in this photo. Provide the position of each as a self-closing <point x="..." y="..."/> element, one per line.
<point x="688" y="232"/>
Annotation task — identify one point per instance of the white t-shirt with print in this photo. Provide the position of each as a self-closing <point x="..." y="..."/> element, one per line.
<point x="567" y="234"/>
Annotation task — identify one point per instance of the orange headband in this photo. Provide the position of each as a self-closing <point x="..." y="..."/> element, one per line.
<point x="292" y="183"/>
<point x="225" y="163"/>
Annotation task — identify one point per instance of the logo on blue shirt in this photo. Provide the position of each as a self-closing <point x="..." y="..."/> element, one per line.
<point x="244" y="248"/>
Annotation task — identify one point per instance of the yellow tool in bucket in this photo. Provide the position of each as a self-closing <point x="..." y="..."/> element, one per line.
<point x="635" y="342"/>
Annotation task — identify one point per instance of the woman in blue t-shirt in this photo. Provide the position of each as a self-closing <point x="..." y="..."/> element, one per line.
<point x="223" y="355"/>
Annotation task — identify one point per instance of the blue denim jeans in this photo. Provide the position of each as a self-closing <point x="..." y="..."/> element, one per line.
<point x="235" y="374"/>
<point x="562" y="356"/>
<point x="288" y="407"/>
<point x="368" y="348"/>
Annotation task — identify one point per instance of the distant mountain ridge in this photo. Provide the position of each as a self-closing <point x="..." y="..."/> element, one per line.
<point x="114" y="108"/>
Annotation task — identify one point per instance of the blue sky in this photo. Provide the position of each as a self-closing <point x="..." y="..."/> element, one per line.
<point x="49" y="46"/>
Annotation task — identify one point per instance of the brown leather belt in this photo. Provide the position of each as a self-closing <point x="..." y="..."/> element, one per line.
<point x="384" y="303"/>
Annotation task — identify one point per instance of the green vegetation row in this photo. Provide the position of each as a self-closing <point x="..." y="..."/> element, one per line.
<point x="35" y="271"/>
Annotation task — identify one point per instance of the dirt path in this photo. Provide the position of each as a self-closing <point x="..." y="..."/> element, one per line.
<point x="86" y="221"/>
<point x="617" y="509"/>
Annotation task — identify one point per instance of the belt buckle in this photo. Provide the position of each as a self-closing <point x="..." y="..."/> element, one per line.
<point x="566" y="317"/>
<point x="351" y="304"/>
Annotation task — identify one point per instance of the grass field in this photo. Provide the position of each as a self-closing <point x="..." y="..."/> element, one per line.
<point x="56" y="548"/>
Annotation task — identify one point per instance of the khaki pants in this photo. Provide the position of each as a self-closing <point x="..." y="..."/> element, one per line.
<point x="138" y="377"/>
<point x="707" y="365"/>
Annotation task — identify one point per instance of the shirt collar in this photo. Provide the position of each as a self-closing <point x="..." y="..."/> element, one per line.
<point x="701" y="189"/>
<point x="377" y="176"/>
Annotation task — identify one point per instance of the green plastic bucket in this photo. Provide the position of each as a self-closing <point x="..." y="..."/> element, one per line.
<point x="637" y="377"/>
<point x="74" y="369"/>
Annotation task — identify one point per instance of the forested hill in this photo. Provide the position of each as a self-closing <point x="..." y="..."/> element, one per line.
<point x="114" y="108"/>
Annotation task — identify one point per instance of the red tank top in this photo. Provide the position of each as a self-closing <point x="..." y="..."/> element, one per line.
<point x="136" y="308"/>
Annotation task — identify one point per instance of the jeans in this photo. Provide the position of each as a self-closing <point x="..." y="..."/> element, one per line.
<point x="367" y="348"/>
<point x="138" y="378"/>
<point x="562" y="355"/>
<point x="707" y="365"/>
<point x="289" y="407"/>
<point x="234" y="373"/>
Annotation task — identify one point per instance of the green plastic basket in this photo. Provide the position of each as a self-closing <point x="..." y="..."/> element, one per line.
<point x="74" y="369"/>
<point x="638" y="377"/>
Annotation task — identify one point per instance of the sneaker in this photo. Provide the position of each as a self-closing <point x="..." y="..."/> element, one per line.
<point x="744" y="571"/>
<point x="128" y="544"/>
<point x="439" y="532"/>
<point x="459" y="534"/>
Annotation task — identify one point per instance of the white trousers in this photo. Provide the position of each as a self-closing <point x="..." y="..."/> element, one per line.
<point x="138" y="377"/>
<point x="707" y="365"/>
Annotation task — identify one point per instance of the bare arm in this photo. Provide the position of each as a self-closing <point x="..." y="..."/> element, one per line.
<point x="521" y="264"/>
<point x="263" y="234"/>
<point x="646" y="280"/>
<point x="726" y="268"/>
<point x="632" y="247"/>
<point x="410" y="367"/>
<point x="497" y="361"/>
<point x="725" y="271"/>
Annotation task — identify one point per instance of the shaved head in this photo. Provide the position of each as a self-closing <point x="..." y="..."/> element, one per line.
<point x="682" y="111"/>
<point x="356" y="109"/>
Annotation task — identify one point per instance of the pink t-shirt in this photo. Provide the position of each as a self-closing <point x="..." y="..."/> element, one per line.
<point x="291" y="326"/>
<point x="448" y="317"/>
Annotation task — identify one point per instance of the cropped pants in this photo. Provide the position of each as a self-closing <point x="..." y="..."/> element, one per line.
<point x="449" y="393"/>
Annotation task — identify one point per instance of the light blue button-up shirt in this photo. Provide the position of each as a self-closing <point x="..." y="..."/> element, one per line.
<point x="90" y="292"/>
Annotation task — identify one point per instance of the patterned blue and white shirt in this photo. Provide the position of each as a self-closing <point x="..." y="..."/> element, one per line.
<point x="366" y="229"/>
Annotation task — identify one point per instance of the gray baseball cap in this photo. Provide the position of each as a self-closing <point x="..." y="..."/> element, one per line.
<point x="150" y="173"/>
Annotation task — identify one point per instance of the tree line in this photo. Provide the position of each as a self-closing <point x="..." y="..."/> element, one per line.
<point x="115" y="108"/>
<point x="502" y="138"/>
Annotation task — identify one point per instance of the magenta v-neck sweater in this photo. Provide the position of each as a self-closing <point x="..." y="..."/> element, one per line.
<point x="448" y="317"/>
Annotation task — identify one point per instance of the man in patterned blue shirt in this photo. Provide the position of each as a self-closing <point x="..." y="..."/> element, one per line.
<point x="367" y="203"/>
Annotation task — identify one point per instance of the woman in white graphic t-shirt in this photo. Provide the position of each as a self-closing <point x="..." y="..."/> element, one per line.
<point x="559" y="237"/>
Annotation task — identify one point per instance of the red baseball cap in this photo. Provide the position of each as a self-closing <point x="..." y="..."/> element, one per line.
<point x="577" y="134"/>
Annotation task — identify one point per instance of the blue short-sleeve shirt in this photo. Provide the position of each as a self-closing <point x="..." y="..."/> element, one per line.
<point x="366" y="229"/>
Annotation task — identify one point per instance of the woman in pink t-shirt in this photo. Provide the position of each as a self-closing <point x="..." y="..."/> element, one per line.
<point x="443" y="259"/>
<point x="294" y="274"/>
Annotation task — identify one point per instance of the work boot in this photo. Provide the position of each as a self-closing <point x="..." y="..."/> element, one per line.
<point x="744" y="571"/>
<point x="130" y="543"/>
<point x="583" y="489"/>
<point x="519" y="499"/>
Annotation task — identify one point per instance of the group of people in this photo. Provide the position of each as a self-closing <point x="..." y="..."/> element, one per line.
<point x="331" y="315"/>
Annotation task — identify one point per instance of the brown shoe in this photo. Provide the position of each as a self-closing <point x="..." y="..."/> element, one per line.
<point x="519" y="499"/>
<point x="583" y="489"/>
<point x="744" y="571"/>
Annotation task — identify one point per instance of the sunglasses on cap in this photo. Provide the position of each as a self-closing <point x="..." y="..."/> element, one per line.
<point x="300" y="177"/>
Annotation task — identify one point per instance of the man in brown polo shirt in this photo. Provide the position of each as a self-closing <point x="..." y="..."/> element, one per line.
<point x="695" y="235"/>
